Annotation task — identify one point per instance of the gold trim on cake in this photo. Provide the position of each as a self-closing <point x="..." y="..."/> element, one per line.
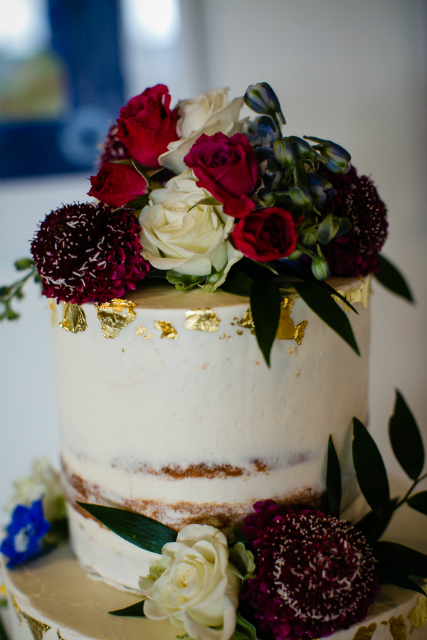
<point x="365" y="633"/>
<point x="287" y="329"/>
<point x="140" y="330"/>
<point x="360" y="294"/>
<point x="112" y="320"/>
<point x="247" y="321"/>
<point x="53" y="312"/>
<point x="74" y="319"/>
<point x="38" y="629"/>
<point x="167" y="329"/>
<point x="202" y="320"/>
<point x="17" y="609"/>
<point x="418" y="615"/>
<point x="397" y="628"/>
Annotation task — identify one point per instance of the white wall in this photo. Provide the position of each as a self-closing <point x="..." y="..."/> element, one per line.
<point x="354" y="72"/>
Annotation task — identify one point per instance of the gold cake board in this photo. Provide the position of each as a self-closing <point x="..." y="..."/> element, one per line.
<point x="54" y="598"/>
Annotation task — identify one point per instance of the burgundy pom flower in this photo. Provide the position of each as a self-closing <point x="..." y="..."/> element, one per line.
<point x="356" y="198"/>
<point x="112" y="148"/>
<point x="88" y="253"/>
<point x="315" y="573"/>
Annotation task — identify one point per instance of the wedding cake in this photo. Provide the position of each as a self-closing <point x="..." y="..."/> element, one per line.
<point x="211" y="339"/>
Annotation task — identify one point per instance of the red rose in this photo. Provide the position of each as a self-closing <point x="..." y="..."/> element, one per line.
<point x="227" y="168"/>
<point x="266" y="235"/>
<point x="117" y="184"/>
<point x="147" y="125"/>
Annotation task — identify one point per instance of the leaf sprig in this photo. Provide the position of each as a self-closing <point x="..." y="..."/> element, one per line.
<point x="8" y="294"/>
<point x="395" y="562"/>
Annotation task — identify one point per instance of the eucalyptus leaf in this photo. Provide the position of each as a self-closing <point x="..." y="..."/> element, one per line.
<point x="373" y="526"/>
<point x="392" y="575"/>
<point x="134" y="527"/>
<point x="391" y="278"/>
<point x="370" y="470"/>
<point x="133" y="611"/>
<point x="406" y="439"/>
<point x="238" y="283"/>
<point x="326" y="308"/>
<point x="419" y="502"/>
<point x="182" y="281"/>
<point x="408" y="560"/>
<point x="333" y="480"/>
<point x="265" y="306"/>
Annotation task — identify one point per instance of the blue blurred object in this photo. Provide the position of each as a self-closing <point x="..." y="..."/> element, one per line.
<point x="85" y="37"/>
<point x="25" y="534"/>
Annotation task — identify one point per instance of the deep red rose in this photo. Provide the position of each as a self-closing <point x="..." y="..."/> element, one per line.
<point x="227" y="168"/>
<point x="147" y="125"/>
<point x="117" y="184"/>
<point x="266" y="235"/>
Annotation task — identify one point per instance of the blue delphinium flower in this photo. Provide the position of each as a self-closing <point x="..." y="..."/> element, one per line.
<point x="25" y="534"/>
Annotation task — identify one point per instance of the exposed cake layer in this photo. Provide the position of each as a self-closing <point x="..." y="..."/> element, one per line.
<point x="179" y="418"/>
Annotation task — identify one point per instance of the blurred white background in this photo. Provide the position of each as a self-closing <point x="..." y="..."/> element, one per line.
<point x="353" y="72"/>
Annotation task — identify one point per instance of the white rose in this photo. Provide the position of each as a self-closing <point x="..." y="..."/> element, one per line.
<point x="44" y="482"/>
<point x="186" y="238"/>
<point x="209" y="114"/>
<point x="194" y="585"/>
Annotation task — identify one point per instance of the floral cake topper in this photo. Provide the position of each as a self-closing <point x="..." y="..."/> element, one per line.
<point x="199" y="197"/>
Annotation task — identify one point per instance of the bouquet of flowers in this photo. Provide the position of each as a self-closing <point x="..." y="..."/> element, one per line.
<point x="201" y="198"/>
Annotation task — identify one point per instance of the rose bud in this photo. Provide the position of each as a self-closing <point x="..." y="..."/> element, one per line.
<point x="284" y="152"/>
<point x="117" y="184"/>
<point x="320" y="188"/>
<point x="334" y="157"/>
<point x="262" y="99"/>
<point x="310" y="237"/>
<point x="300" y="196"/>
<point x="328" y="229"/>
<point x="304" y="150"/>
<point x="319" y="266"/>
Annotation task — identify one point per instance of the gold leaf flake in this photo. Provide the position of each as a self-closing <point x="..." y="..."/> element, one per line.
<point x="398" y="628"/>
<point x="142" y="331"/>
<point x="239" y="332"/>
<point x="365" y="633"/>
<point x="38" y="629"/>
<point x="167" y="329"/>
<point x="112" y="320"/>
<point x="202" y="320"/>
<point x="74" y="318"/>
<point x="3" y="590"/>
<point x="247" y="321"/>
<point x="361" y="294"/>
<point x="17" y="610"/>
<point x="53" y="312"/>
<point x="418" y="615"/>
<point x="60" y="637"/>
<point x="287" y="329"/>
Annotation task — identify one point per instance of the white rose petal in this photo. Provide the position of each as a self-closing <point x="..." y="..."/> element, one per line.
<point x="199" y="589"/>
<point x="192" y="240"/>
<point x="209" y="113"/>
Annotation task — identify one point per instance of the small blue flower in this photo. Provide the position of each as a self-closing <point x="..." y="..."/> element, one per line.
<point x="262" y="132"/>
<point x="25" y="533"/>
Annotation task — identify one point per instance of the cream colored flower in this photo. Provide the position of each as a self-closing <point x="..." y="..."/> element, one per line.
<point x="189" y="239"/>
<point x="197" y="588"/>
<point x="44" y="482"/>
<point x="209" y="114"/>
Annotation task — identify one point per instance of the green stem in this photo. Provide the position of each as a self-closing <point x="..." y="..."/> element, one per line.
<point x="410" y="490"/>
<point x="275" y="119"/>
<point x="18" y="285"/>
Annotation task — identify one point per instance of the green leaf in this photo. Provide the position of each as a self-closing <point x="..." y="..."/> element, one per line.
<point x="183" y="282"/>
<point x="327" y="309"/>
<point x="370" y="470"/>
<point x="24" y="263"/>
<point x="133" y="611"/>
<point x="245" y="628"/>
<point x="265" y="306"/>
<point x="373" y="526"/>
<point x="408" y="560"/>
<point x="419" y="502"/>
<point x="3" y="603"/>
<point x="292" y="272"/>
<point x="142" y="171"/>
<point x="333" y="480"/>
<point x="138" y="203"/>
<point x="406" y="439"/>
<point x="391" y="278"/>
<point x="133" y="527"/>
<point x="238" y="283"/>
<point x="392" y="575"/>
<point x="3" y="634"/>
<point x="210" y="200"/>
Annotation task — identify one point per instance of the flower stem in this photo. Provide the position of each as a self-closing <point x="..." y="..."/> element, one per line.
<point x="410" y="490"/>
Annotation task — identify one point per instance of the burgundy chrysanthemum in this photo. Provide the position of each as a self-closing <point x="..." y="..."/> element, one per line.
<point x="88" y="253"/>
<point x="356" y="198"/>
<point x="112" y="147"/>
<point x="315" y="573"/>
